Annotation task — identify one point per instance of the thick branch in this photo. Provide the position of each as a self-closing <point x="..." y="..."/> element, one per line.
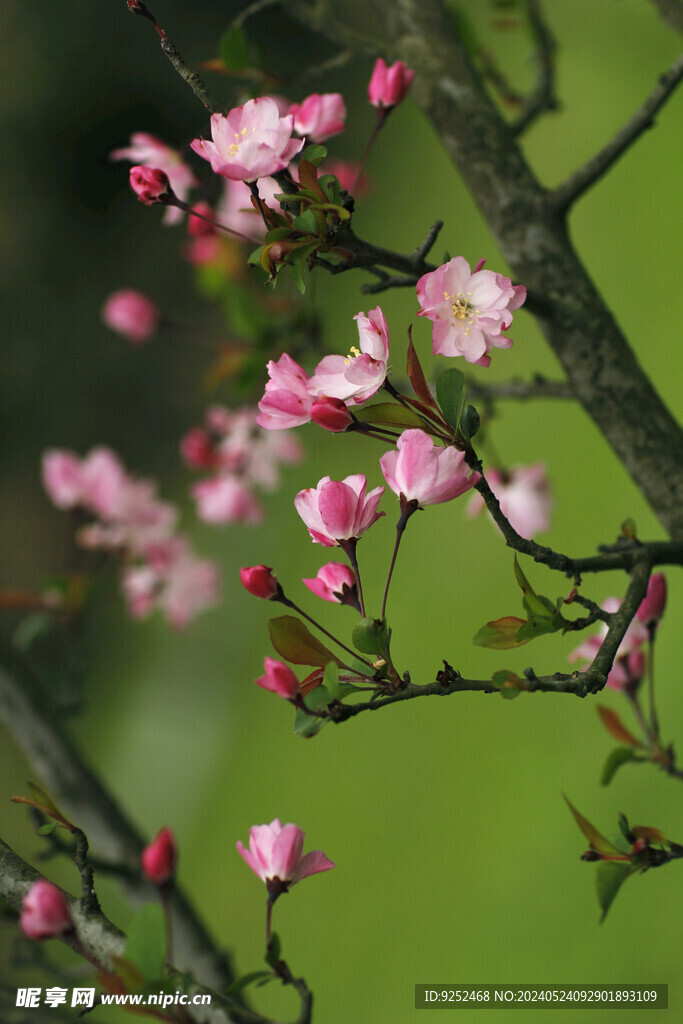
<point x="600" y="366"/>
<point x="71" y="783"/>
<point x="580" y="181"/>
<point x="671" y="12"/>
<point x="520" y="390"/>
<point x="101" y="942"/>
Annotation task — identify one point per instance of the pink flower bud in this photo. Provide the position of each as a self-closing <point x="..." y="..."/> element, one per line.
<point x="388" y="86"/>
<point x="338" y="510"/>
<point x="279" y="679"/>
<point x="131" y="314"/>
<point x="635" y="666"/>
<point x="654" y="603"/>
<point x="158" y="860"/>
<point x="331" y="414"/>
<point x="424" y="472"/>
<point x="44" y="912"/>
<point x="331" y="581"/>
<point x="275" y="855"/>
<point x="197" y="449"/>
<point x="150" y="184"/>
<point x="319" y="117"/>
<point x="259" y="581"/>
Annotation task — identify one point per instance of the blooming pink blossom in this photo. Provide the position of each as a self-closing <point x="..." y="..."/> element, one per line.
<point x="251" y="142"/>
<point x="158" y="860"/>
<point x="338" y="510"/>
<point x="236" y="211"/>
<point x="150" y="184"/>
<point x="319" y="117"/>
<point x="173" y="579"/>
<point x="524" y="498"/>
<point x="96" y="482"/>
<point x="287" y="400"/>
<point x="629" y="664"/>
<point x="360" y="374"/>
<point x="226" y="499"/>
<point x="132" y="314"/>
<point x="333" y="582"/>
<point x="654" y="602"/>
<point x="152" y="152"/>
<point x="45" y="913"/>
<point x="469" y="309"/>
<point x="279" y="679"/>
<point x="424" y="472"/>
<point x="259" y="581"/>
<point x="389" y="85"/>
<point x="275" y="855"/>
<point x="331" y="414"/>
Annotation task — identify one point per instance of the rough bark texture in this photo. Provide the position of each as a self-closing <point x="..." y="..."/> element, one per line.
<point x="532" y="233"/>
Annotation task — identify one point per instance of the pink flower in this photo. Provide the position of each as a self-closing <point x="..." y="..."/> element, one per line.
<point x="275" y="855"/>
<point x="338" y="510"/>
<point x="150" y="184"/>
<point x="279" y="679"/>
<point x="158" y="860"/>
<point x="469" y="310"/>
<point x="252" y="142"/>
<point x="95" y="482"/>
<point x="45" y="913"/>
<point x="524" y="498"/>
<point x="360" y="374"/>
<point x="654" y="602"/>
<point x="331" y="414"/>
<point x="319" y="117"/>
<point x="259" y="581"/>
<point x="236" y="211"/>
<point x="333" y="582"/>
<point x="131" y="314"/>
<point x="62" y="478"/>
<point x="423" y="472"/>
<point x="170" y="577"/>
<point x="226" y="499"/>
<point x="389" y="85"/>
<point x="196" y="449"/>
<point x="287" y="400"/>
<point x="629" y="664"/>
<point x="152" y="152"/>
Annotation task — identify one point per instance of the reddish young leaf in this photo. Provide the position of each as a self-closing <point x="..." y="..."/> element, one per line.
<point x="416" y="375"/>
<point x="611" y="721"/>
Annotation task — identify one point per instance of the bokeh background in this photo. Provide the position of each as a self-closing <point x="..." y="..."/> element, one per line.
<point x="457" y="860"/>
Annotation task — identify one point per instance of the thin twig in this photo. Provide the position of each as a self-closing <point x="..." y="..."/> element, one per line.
<point x="580" y="181"/>
<point x="543" y="96"/>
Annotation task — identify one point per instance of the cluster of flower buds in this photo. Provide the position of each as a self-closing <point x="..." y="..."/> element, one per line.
<point x="241" y="456"/>
<point x="159" y="568"/>
<point x="630" y="663"/>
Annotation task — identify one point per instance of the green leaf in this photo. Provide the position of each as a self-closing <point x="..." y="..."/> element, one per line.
<point x="234" y="49"/>
<point x="537" y="605"/>
<point x="308" y="725"/>
<point x="306" y="222"/>
<point x="451" y="392"/>
<point x="389" y="412"/>
<point x="596" y="839"/>
<point x="500" y="634"/>
<point x="508" y="683"/>
<point x="537" y="625"/>
<point x="619" y="756"/>
<point x="314" y="154"/>
<point x="470" y="422"/>
<point x="609" y="878"/>
<point x="47" y="828"/>
<point x="291" y="638"/>
<point x="295" y="271"/>
<point x="30" y="629"/>
<point x="371" y="636"/>
<point x="146" y="942"/>
<point x="331" y="679"/>
<point x="246" y="979"/>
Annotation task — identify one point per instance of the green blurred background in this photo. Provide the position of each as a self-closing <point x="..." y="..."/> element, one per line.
<point x="456" y="858"/>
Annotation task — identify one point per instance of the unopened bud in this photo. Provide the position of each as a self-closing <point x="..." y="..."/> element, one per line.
<point x="259" y="581"/>
<point x="151" y="185"/>
<point x="331" y="414"/>
<point x="158" y="860"/>
<point x="45" y="913"/>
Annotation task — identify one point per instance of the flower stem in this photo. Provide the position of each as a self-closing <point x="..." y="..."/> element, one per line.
<point x="407" y="509"/>
<point x="186" y="208"/>
<point x="269" y="911"/>
<point x="638" y="712"/>
<point x="381" y="118"/>
<point x="654" y="722"/>
<point x="349" y="549"/>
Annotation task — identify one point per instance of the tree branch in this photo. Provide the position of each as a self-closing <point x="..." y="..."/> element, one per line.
<point x="543" y="97"/>
<point x="671" y="12"/>
<point x="580" y="181"/>
<point x="520" y="390"/>
<point x="84" y="797"/>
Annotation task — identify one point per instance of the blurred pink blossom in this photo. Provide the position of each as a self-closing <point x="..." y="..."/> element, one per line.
<point x="152" y="152"/>
<point x="158" y="859"/>
<point x="132" y="314"/>
<point x="654" y="602"/>
<point x="389" y="85"/>
<point x="319" y="117"/>
<point x="629" y="663"/>
<point x="45" y="913"/>
<point x="524" y="497"/>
